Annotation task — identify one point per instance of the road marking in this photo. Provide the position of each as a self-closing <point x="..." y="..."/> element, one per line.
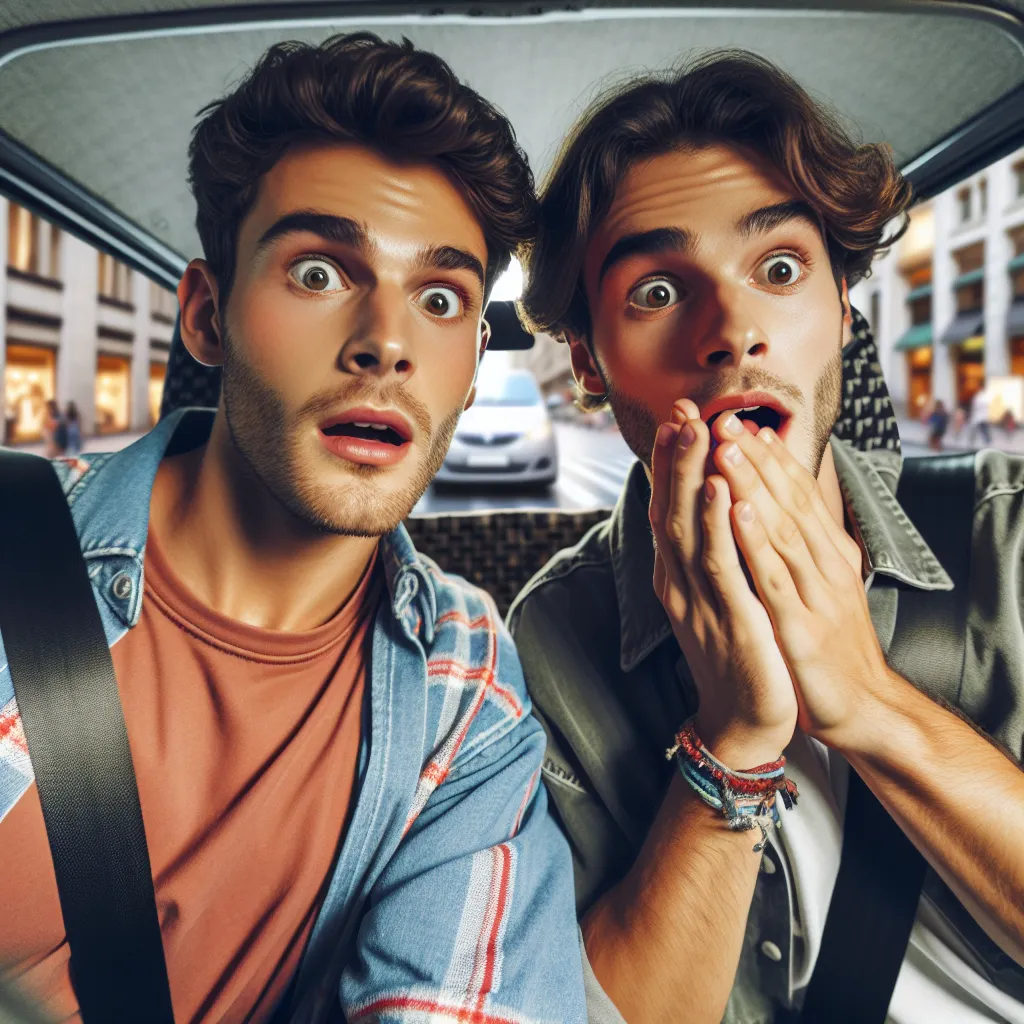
<point x="579" y="496"/>
<point x="604" y="482"/>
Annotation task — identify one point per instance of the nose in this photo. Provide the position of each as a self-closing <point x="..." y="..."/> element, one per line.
<point x="734" y="335"/>
<point x="379" y="344"/>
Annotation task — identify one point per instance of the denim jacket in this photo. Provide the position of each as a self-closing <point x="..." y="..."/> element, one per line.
<point x="610" y="684"/>
<point x="451" y="898"/>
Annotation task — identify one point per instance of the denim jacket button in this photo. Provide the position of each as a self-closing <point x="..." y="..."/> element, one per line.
<point x="767" y="865"/>
<point x="122" y="586"/>
<point x="770" y="950"/>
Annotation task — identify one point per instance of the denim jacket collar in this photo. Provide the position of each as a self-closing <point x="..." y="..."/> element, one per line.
<point x="891" y="544"/>
<point x="115" y="555"/>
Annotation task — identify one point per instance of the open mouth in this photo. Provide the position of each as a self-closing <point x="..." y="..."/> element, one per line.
<point x="379" y="432"/>
<point x="754" y="417"/>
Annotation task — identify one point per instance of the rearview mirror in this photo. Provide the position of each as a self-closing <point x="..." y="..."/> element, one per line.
<point x="507" y="332"/>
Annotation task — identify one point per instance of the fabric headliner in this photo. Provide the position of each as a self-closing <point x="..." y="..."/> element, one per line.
<point x="80" y="107"/>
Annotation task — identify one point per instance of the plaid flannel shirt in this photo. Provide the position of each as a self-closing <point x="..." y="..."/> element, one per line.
<point x="451" y="898"/>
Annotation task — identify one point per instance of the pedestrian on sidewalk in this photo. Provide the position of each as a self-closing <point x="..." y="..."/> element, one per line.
<point x="73" y="423"/>
<point x="55" y="431"/>
<point x="980" y="405"/>
<point x="938" y="421"/>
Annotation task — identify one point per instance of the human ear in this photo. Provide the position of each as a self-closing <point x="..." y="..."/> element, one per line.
<point x="485" y="337"/>
<point x="844" y="297"/>
<point x="198" y="299"/>
<point x="585" y="370"/>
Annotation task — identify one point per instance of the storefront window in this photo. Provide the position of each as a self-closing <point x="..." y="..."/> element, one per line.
<point x="22" y="239"/>
<point x="115" y="279"/>
<point x="919" y="366"/>
<point x="157" y="373"/>
<point x="29" y="383"/>
<point x="113" y="385"/>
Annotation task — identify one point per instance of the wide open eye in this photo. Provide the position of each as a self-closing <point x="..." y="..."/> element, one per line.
<point x="657" y="294"/>
<point x="317" y="275"/>
<point x="443" y="303"/>
<point x="782" y="271"/>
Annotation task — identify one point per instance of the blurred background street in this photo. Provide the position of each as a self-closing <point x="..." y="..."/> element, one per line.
<point x="86" y="343"/>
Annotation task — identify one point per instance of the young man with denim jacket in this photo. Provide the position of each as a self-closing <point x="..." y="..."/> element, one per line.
<point x="336" y="760"/>
<point x="697" y="237"/>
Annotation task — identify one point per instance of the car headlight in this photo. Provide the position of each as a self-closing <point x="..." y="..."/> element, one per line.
<point x="541" y="432"/>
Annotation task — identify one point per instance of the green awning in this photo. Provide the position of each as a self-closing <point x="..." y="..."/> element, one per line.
<point x="922" y="291"/>
<point x="1017" y="263"/>
<point x="918" y="336"/>
<point x="971" y="277"/>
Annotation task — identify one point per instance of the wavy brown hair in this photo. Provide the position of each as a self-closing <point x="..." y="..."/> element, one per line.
<point x="402" y="102"/>
<point x="727" y="97"/>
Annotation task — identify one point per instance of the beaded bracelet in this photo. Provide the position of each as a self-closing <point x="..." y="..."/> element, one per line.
<point x="746" y="799"/>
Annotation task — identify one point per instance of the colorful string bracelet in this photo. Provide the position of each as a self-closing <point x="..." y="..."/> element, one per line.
<point x="747" y="799"/>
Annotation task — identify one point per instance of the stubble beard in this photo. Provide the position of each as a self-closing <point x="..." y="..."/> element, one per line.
<point x="270" y="441"/>
<point x="638" y="424"/>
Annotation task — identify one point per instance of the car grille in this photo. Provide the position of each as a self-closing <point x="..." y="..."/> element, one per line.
<point x="512" y="467"/>
<point x="488" y="439"/>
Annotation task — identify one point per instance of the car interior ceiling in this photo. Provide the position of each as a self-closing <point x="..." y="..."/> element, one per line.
<point x="87" y="75"/>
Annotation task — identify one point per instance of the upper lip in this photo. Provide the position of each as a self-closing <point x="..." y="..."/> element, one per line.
<point x="392" y="418"/>
<point x="744" y="400"/>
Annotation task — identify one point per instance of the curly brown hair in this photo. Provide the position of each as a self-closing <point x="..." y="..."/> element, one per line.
<point x="725" y="96"/>
<point x="402" y="102"/>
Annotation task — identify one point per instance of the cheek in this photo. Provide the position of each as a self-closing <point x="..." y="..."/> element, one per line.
<point x="445" y="369"/>
<point x="643" y="360"/>
<point x="283" y="337"/>
<point x="804" y="331"/>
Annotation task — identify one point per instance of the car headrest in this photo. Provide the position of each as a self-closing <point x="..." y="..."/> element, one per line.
<point x="867" y="420"/>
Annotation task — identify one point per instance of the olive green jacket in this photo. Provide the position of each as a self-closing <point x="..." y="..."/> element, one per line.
<point x="611" y="687"/>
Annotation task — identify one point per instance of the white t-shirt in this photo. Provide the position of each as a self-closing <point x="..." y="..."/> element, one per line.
<point x="935" y="985"/>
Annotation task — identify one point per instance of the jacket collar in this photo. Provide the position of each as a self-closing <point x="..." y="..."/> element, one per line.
<point x="891" y="544"/>
<point x="115" y="542"/>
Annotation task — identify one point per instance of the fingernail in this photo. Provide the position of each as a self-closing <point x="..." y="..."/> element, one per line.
<point x="745" y="512"/>
<point x="733" y="426"/>
<point x="767" y="435"/>
<point x="664" y="435"/>
<point x="709" y="490"/>
<point x="686" y="436"/>
<point x="733" y="454"/>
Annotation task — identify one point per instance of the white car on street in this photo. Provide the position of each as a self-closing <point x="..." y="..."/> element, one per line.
<point x="505" y="436"/>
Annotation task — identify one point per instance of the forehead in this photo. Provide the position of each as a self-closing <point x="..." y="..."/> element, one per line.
<point x="703" y="190"/>
<point x="403" y="205"/>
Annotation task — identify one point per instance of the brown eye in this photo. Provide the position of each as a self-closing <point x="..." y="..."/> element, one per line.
<point x="781" y="271"/>
<point x="317" y="276"/>
<point x="659" y="294"/>
<point x="443" y="303"/>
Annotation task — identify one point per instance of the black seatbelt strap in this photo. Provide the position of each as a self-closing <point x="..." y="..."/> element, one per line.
<point x="878" y="887"/>
<point x="77" y="742"/>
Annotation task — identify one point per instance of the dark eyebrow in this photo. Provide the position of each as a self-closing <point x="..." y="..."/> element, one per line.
<point x="760" y="222"/>
<point x="448" y="257"/>
<point x="646" y="243"/>
<point x="329" y="227"/>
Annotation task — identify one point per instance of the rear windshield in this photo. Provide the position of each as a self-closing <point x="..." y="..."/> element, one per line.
<point x="511" y="389"/>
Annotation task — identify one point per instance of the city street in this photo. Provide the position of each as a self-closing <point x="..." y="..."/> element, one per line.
<point x="592" y="464"/>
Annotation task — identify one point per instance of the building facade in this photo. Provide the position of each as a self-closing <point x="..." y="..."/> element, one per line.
<point x="78" y="327"/>
<point x="947" y="303"/>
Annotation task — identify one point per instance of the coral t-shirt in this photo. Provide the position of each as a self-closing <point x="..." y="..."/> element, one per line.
<point x="245" y="743"/>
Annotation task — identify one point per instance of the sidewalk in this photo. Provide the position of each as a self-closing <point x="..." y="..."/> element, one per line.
<point x="102" y="443"/>
<point x="915" y="433"/>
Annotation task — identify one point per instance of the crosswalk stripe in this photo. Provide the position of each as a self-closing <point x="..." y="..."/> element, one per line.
<point x="601" y="471"/>
<point x="603" y="482"/>
<point x="579" y="496"/>
<point x="615" y="468"/>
